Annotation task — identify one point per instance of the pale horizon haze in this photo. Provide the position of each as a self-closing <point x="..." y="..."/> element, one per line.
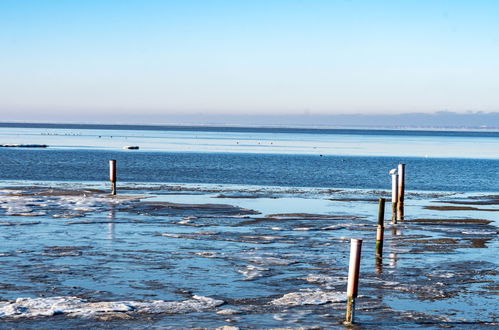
<point x="102" y="60"/>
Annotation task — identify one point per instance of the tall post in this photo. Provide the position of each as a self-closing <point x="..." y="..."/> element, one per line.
<point x="395" y="179"/>
<point x="112" y="175"/>
<point x="353" y="278"/>
<point x="401" y="190"/>
<point x="380" y="230"/>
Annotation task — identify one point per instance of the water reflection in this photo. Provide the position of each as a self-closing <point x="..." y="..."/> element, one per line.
<point x="379" y="265"/>
<point x="392" y="259"/>
<point x="111" y="215"/>
<point x="392" y="256"/>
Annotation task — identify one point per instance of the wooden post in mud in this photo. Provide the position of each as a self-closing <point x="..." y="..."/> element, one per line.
<point x="400" y="192"/>
<point x="112" y="175"/>
<point x="353" y="278"/>
<point x="395" y="179"/>
<point x="380" y="230"/>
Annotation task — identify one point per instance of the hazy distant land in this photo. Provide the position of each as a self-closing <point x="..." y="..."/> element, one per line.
<point x="437" y="120"/>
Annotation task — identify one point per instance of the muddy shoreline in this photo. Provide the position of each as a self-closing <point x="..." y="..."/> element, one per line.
<point x="268" y="257"/>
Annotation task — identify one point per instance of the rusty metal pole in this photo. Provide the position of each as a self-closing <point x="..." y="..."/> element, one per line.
<point x="353" y="278"/>
<point x="112" y="175"/>
<point x="380" y="230"/>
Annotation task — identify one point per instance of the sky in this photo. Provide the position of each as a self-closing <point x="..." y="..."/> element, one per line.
<point x="106" y="58"/>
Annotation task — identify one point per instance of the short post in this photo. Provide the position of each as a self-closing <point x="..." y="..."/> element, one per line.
<point x="353" y="278"/>
<point x="394" y="197"/>
<point x="400" y="193"/>
<point x="112" y="175"/>
<point x="380" y="230"/>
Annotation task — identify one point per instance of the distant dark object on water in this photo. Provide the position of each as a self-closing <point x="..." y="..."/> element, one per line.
<point x="131" y="147"/>
<point x="23" y="145"/>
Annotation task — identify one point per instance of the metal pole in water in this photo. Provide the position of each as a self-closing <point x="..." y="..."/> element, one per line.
<point x="394" y="197"/>
<point x="353" y="278"/>
<point x="401" y="190"/>
<point x="380" y="230"/>
<point x="112" y="175"/>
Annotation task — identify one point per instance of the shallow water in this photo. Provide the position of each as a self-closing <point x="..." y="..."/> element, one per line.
<point x="271" y="265"/>
<point x="247" y="239"/>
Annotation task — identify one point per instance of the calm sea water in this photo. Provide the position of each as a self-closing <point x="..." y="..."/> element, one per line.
<point x="436" y="160"/>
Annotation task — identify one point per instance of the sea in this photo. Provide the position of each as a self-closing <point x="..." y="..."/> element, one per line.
<point x="245" y="227"/>
<point x="337" y="158"/>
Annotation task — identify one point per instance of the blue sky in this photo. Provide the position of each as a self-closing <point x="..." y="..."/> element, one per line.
<point x="248" y="57"/>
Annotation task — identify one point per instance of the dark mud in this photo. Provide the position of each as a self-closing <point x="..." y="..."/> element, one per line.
<point x="367" y="200"/>
<point x="449" y="221"/>
<point x="46" y="191"/>
<point x="481" y="202"/>
<point x="458" y="208"/>
<point x="193" y="210"/>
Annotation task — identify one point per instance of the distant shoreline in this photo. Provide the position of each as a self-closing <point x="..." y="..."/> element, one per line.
<point x="264" y="128"/>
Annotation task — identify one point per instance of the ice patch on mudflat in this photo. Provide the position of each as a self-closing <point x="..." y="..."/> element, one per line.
<point x="252" y="272"/>
<point x="309" y="297"/>
<point x="76" y="307"/>
<point x="59" y="203"/>
<point x="258" y="258"/>
<point x="476" y="232"/>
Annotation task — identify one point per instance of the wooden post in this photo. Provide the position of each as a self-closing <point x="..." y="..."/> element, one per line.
<point x="353" y="278"/>
<point x="400" y="193"/>
<point x="394" y="197"/>
<point x="112" y="175"/>
<point x="380" y="230"/>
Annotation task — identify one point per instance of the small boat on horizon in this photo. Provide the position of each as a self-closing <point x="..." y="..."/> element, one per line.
<point x="131" y="147"/>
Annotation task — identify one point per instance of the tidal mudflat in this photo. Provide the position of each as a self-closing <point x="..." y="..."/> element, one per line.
<point x="214" y="255"/>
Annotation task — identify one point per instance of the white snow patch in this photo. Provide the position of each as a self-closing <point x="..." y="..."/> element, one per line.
<point x="309" y="297"/>
<point x="77" y="307"/>
<point x="442" y="275"/>
<point x="334" y="227"/>
<point x="228" y="311"/>
<point x="301" y="229"/>
<point x="65" y="206"/>
<point x="251" y="272"/>
<point x="479" y="232"/>
<point x="270" y="261"/>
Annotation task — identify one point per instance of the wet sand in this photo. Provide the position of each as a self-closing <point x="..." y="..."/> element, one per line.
<point x="174" y="256"/>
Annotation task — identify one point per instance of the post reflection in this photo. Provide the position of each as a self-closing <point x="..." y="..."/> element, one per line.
<point x="111" y="215"/>
<point x="392" y="256"/>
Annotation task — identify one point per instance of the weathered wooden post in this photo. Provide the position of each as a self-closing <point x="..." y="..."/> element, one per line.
<point x="400" y="193"/>
<point x="112" y="175"/>
<point x="380" y="230"/>
<point x="394" y="195"/>
<point x="353" y="278"/>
